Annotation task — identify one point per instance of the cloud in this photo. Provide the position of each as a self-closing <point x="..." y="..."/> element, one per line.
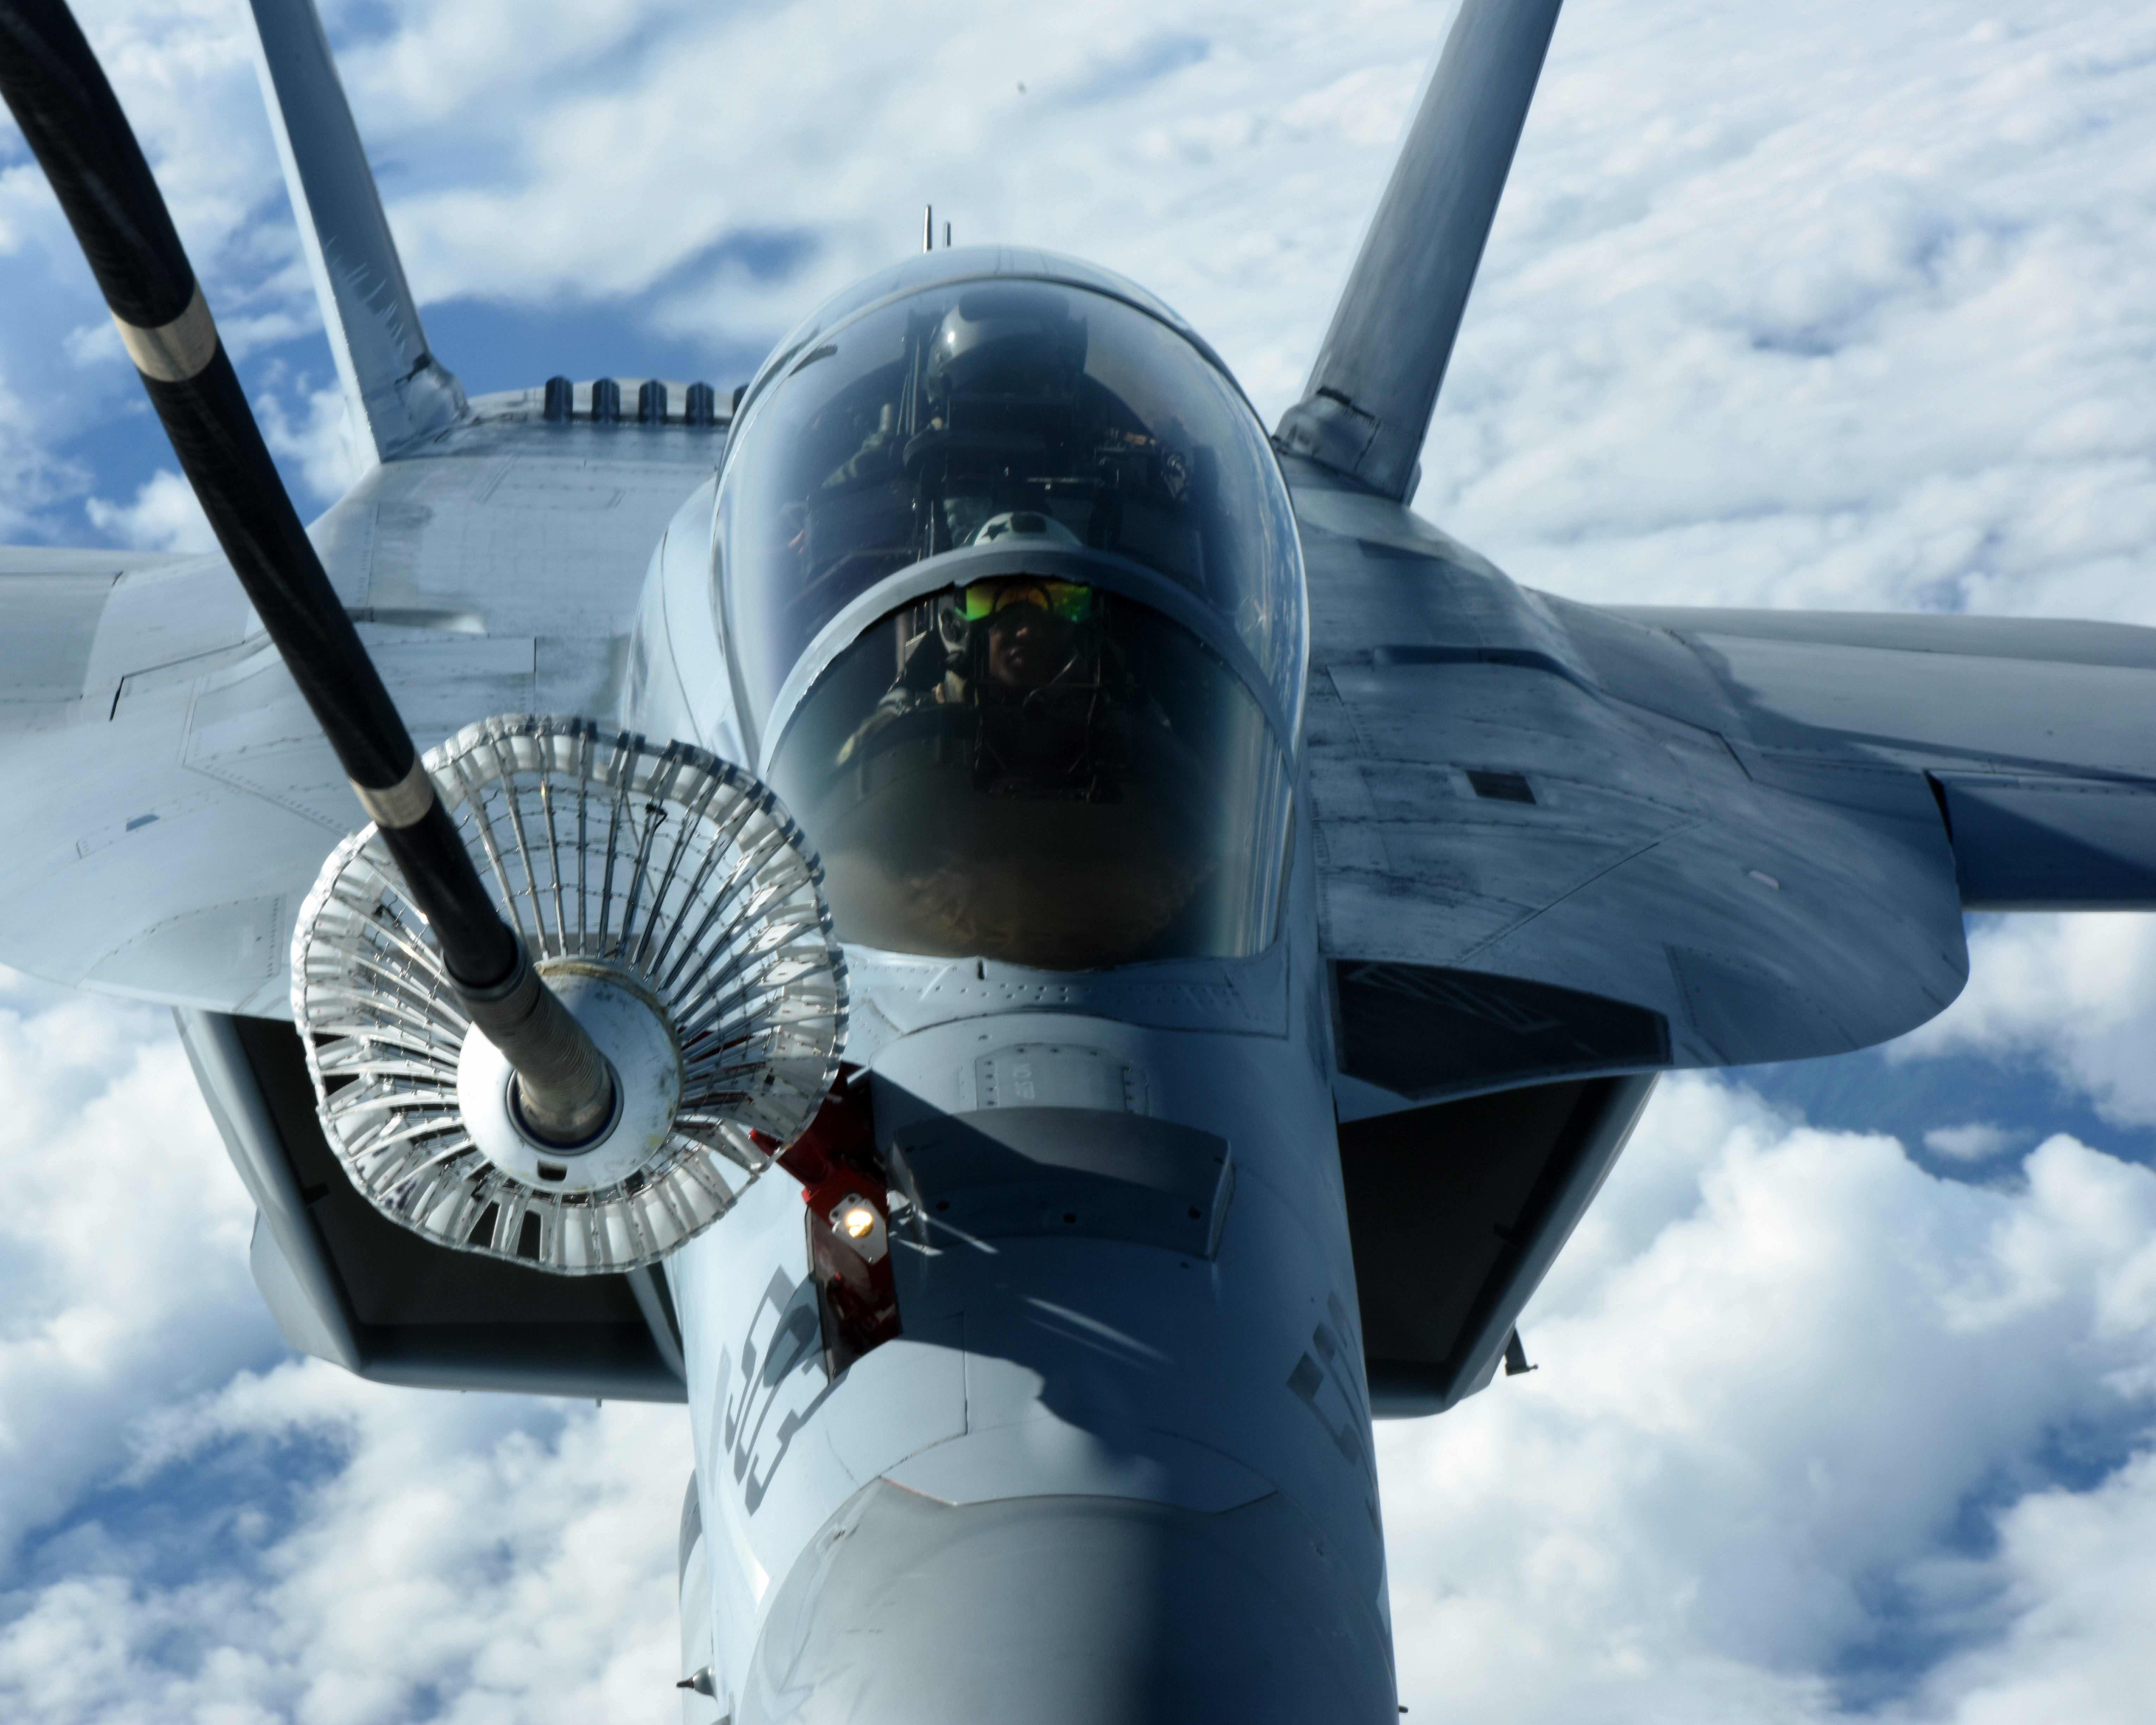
<point x="473" y="1557"/>
<point x="2073" y="995"/>
<point x="1978" y="1141"/>
<point x="1127" y="72"/>
<point x="1789" y="1451"/>
<point x="1830" y="311"/>
<point x="123" y="1276"/>
<point x="320" y="446"/>
<point x="190" y="1529"/>
<point x="2071" y="1571"/>
<point x="29" y="477"/>
<point x="163" y="517"/>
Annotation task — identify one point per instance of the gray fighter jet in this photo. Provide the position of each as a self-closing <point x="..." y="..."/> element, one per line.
<point x="1036" y="954"/>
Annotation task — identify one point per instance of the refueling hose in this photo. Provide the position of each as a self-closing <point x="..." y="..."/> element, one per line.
<point x="74" y="125"/>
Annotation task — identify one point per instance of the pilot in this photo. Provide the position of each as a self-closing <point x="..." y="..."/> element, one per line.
<point x="1001" y="376"/>
<point x="1013" y="345"/>
<point x="1027" y="625"/>
<point x="1028" y="629"/>
<point x="1028" y="658"/>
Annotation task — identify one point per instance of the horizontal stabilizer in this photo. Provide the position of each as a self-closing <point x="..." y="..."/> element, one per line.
<point x="1367" y="407"/>
<point x="394" y="391"/>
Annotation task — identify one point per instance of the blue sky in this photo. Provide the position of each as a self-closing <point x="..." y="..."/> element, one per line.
<point x="1847" y="1399"/>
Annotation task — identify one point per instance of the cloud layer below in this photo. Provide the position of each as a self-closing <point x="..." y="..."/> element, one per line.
<point x="1841" y="306"/>
<point x="1804" y="1443"/>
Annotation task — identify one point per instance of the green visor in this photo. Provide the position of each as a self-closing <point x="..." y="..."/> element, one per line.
<point x="1067" y="600"/>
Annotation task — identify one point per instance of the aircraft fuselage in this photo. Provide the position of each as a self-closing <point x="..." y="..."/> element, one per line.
<point x="1116" y="1463"/>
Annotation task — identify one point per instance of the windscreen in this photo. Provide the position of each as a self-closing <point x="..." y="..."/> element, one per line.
<point x="1040" y="771"/>
<point x="936" y="421"/>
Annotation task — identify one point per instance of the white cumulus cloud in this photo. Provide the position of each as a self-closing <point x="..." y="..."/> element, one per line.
<point x="477" y="1558"/>
<point x="163" y="516"/>
<point x="2073" y="995"/>
<point x="1787" y="1450"/>
<point x="1843" y="304"/>
<point x="1974" y="1142"/>
<point x="123" y="1275"/>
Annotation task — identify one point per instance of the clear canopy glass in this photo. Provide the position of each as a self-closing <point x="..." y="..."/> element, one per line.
<point x="930" y="422"/>
<point x="1041" y="772"/>
<point x="1013" y="595"/>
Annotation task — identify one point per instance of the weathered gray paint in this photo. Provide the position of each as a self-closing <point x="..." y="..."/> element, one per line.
<point x="1367" y="406"/>
<point x="1130" y="1454"/>
<point x="395" y="393"/>
<point x="1764" y="917"/>
<point x="1143" y="1473"/>
<point x="2031" y="734"/>
<point x="1083" y="1610"/>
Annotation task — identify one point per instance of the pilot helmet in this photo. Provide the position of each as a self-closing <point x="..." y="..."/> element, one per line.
<point x="1011" y="340"/>
<point x="1010" y="530"/>
<point x="962" y="613"/>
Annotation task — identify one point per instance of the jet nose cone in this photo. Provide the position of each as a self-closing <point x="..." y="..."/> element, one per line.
<point x="1066" y="1611"/>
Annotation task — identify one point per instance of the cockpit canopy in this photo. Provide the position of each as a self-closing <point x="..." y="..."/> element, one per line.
<point x="1011" y="587"/>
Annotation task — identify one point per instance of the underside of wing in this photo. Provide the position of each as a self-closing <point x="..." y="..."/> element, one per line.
<point x="348" y="1285"/>
<point x="1456" y="1209"/>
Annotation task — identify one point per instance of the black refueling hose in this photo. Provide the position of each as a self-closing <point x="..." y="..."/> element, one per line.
<point x="74" y="125"/>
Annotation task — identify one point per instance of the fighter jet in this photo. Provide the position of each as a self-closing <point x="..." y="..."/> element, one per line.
<point x="1037" y="953"/>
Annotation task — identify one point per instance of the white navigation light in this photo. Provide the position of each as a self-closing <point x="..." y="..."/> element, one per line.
<point x="861" y="1224"/>
<point x="672" y="905"/>
<point x="858" y="1220"/>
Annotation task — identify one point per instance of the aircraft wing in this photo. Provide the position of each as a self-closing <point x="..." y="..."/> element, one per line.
<point x="1555" y="839"/>
<point x="2033" y="733"/>
<point x="1558" y="844"/>
<point x="176" y="797"/>
<point x="174" y="800"/>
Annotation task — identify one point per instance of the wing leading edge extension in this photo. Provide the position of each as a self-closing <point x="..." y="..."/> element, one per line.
<point x="1540" y="856"/>
<point x="1557" y="840"/>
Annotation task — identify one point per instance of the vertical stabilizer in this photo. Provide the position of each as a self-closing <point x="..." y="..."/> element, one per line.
<point x="1367" y="407"/>
<point x="394" y="392"/>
